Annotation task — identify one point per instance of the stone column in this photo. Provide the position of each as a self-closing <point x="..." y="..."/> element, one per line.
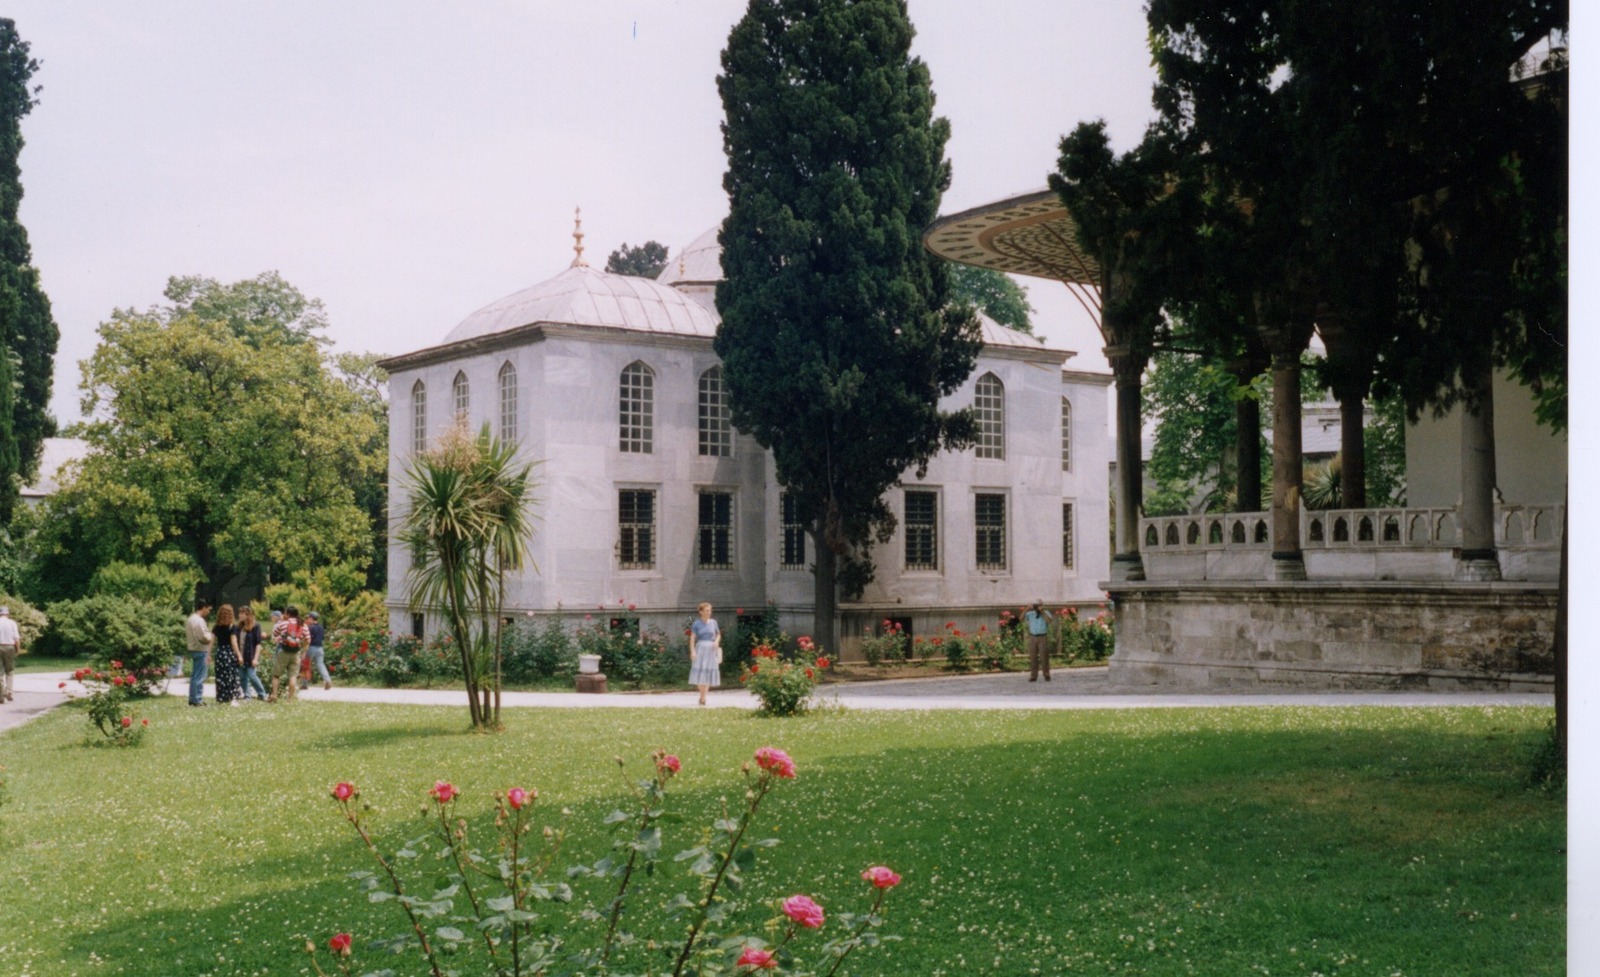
<point x="1126" y="563"/>
<point x="1288" y="561"/>
<point x="1477" y="558"/>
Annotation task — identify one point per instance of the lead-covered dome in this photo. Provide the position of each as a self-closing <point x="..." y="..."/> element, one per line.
<point x="582" y="296"/>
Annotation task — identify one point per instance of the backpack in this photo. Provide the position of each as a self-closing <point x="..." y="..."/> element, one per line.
<point x="291" y="637"/>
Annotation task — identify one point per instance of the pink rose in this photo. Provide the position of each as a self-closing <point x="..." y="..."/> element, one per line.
<point x="517" y="797"/>
<point x="669" y="764"/>
<point x="343" y="791"/>
<point x="775" y="762"/>
<point x="881" y="877"/>
<point x="751" y="957"/>
<point x="340" y="944"/>
<point x="127" y="721"/>
<point x="116" y="664"/>
<point x="803" y="910"/>
<point x="144" y="722"/>
<point x="443" y="791"/>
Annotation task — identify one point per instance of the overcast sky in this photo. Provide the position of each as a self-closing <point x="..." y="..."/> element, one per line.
<point x="410" y="162"/>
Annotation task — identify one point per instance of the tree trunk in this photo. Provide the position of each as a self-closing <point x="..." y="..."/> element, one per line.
<point x="1288" y="561"/>
<point x="1352" y="449"/>
<point x="1247" y="450"/>
<point x="825" y="596"/>
<point x="1478" y="558"/>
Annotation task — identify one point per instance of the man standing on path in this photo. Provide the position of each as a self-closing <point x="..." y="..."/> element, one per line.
<point x="198" y="633"/>
<point x="10" y="647"/>
<point x="1038" y="621"/>
<point x="314" y="635"/>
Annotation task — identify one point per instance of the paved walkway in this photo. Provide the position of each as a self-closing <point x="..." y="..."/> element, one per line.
<point x="1078" y="688"/>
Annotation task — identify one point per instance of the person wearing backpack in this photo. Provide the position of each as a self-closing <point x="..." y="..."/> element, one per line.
<point x="288" y="637"/>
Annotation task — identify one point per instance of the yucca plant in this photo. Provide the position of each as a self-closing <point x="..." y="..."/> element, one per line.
<point x="468" y="523"/>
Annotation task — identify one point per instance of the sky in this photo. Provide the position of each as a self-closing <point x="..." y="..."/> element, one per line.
<point x="409" y="162"/>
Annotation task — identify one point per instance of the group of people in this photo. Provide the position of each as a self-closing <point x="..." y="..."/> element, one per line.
<point x="234" y="644"/>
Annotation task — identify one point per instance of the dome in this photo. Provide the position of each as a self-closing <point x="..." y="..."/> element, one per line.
<point x="582" y="296"/>
<point x="699" y="263"/>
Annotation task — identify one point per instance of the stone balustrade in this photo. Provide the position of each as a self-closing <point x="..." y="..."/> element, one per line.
<point x="1348" y="544"/>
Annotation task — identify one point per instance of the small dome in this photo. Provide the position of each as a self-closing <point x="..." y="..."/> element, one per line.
<point x="582" y="296"/>
<point x="699" y="263"/>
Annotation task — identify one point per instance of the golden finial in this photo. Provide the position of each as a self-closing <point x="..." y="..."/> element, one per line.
<point x="577" y="238"/>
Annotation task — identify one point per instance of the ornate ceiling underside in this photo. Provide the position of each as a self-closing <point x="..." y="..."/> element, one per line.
<point x="1031" y="234"/>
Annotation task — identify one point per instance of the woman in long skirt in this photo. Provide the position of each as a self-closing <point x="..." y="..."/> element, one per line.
<point x="225" y="657"/>
<point x="705" y="652"/>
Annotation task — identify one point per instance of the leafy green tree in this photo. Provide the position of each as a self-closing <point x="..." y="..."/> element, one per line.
<point x="242" y="451"/>
<point x="468" y="522"/>
<point x="369" y="384"/>
<point x="644" y="261"/>
<point x="1193" y="460"/>
<point x="993" y="293"/>
<point x="837" y="336"/>
<point x="28" y="333"/>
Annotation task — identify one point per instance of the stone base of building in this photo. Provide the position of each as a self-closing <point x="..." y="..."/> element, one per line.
<point x="1210" y="635"/>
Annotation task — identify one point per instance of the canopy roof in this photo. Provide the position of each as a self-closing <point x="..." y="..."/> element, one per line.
<point x="1027" y="234"/>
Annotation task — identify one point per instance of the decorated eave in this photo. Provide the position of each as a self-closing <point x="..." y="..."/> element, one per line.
<point x="1030" y="234"/>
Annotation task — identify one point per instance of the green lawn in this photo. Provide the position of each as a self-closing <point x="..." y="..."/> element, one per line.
<point x="1283" y="841"/>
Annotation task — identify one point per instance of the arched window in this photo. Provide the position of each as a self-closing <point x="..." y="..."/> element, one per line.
<point x="636" y="409"/>
<point x="419" y="418"/>
<point x="989" y="403"/>
<point x="1066" y="435"/>
<point x="462" y="394"/>
<point x="508" y="402"/>
<point x="716" y="432"/>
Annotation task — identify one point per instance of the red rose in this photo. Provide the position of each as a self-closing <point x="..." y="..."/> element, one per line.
<point x="517" y="797"/>
<point x="776" y="762"/>
<point x="443" y="791"/>
<point x="759" y="959"/>
<point x="127" y="721"/>
<point x="343" y="790"/>
<point x="340" y="944"/>
<point x="669" y="763"/>
<point x="881" y="877"/>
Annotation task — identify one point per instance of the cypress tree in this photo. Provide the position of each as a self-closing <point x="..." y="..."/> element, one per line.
<point x="27" y="331"/>
<point x="836" y="339"/>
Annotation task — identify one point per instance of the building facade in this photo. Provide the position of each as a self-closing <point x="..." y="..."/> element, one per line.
<point x="647" y="497"/>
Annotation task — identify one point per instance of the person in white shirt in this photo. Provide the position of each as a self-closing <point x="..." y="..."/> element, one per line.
<point x="10" y="646"/>
<point x="198" y="634"/>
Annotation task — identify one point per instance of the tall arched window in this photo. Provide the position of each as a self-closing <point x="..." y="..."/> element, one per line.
<point x="462" y="394"/>
<point x="716" y="432"/>
<point x="419" y="418"/>
<point x="989" y="404"/>
<point x="508" y="402"/>
<point x="636" y="408"/>
<point x="1066" y="435"/>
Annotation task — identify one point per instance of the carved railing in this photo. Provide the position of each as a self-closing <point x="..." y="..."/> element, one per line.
<point x="1516" y="527"/>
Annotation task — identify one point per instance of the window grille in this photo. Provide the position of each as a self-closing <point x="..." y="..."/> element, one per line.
<point x="716" y="430"/>
<point x="419" y="418"/>
<point x="922" y="530"/>
<point x="636" y="410"/>
<point x="636" y="525"/>
<point x="793" y="555"/>
<point x="989" y="404"/>
<point x="716" y="531"/>
<point x="989" y="521"/>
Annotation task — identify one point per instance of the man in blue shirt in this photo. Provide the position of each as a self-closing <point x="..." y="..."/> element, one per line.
<point x="1038" y="621"/>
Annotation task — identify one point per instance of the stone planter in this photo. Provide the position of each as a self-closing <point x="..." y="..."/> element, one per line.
<point x="588" y="664"/>
<point x="589" y="677"/>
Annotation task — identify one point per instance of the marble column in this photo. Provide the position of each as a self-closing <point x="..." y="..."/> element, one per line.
<point x="1126" y="562"/>
<point x="1477" y="558"/>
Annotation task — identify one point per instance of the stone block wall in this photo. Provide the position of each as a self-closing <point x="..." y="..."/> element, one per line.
<point x="1334" y="635"/>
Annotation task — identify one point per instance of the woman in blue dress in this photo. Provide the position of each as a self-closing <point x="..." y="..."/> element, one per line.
<point x="705" y="652"/>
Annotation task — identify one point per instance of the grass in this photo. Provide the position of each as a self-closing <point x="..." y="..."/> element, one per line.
<point x="1300" y="841"/>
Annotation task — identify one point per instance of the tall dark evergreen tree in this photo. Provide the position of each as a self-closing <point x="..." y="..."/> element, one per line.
<point x="836" y="340"/>
<point x="27" y="331"/>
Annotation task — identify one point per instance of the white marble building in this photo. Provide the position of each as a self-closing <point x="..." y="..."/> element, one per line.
<point x="647" y="497"/>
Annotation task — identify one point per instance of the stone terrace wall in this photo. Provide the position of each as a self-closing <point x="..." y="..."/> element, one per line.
<point x="1334" y="635"/>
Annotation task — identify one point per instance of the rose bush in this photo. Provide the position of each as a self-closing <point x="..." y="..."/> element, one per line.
<point x="505" y="902"/>
<point x="108" y="701"/>
<point x="784" y="685"/>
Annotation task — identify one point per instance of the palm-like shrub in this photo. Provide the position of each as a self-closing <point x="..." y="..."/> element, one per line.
<point x="468" y="522"/>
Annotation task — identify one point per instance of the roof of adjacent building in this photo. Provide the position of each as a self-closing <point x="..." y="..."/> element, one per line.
<point x="582" y="296"/>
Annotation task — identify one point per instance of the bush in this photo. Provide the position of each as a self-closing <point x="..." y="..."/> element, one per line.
<point x="109" y="692"/>
<point x="335" y="592"/>
<point x="631" y="653"/>
<point x="755" y="631"/>
<point x="143" y="636"/>
<point x="30" y="620"/>
<point x="991" y="649"/>
<point x="1079" y="640"/>
<point x="891" y="643"/>
<point x="784" y="685"/>
<point x="169" y="582"/>
<point x="957" y="653"/>
<point x="535" y="651"/>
